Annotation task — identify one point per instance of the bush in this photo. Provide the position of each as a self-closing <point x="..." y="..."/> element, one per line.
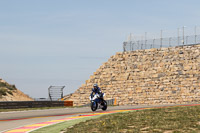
<point x="10" y="92"/>
<point x="10" y="87"/>
<point x="2" y="84"/>
<point x="6" y="88"/>
<point x="3" y="91"/>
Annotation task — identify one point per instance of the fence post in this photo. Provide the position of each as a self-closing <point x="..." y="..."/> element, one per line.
<point x="183" y="36"/>
<point x="133" y="44"/>
<point x="161" y="39"/>
<point x="187" y="40"/>
<point x="145" y="40"/>
<point x="124" y="46"/>
<point x="142" y="46"/>
<point x="138" y="42"/>
<point x="195" y="32"/>
<point x="170" y="42"/>
<point x="178" y="36"/>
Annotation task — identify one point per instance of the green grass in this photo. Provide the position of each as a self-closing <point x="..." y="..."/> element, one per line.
<point x="168" y="120"/>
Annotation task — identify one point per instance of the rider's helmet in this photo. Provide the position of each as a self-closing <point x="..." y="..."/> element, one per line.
<point x="95" y="86"/>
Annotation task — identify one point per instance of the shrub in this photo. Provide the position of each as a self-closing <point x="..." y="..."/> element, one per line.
<point x="3" y="91"/>
<point x="10" y="87"/>
<point x="10" y="92"/>
<point x="6" y="88"/>
<point x="2" y="84"/>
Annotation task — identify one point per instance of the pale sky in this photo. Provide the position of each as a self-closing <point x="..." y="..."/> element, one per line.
<point x="62" y="42"/>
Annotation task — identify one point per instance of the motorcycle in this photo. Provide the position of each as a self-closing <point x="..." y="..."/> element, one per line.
<point x="97" y="102"/>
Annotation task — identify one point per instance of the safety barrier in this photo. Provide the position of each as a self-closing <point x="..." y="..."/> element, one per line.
<point x="68" y="103"/>
<point x="33" y="104"/>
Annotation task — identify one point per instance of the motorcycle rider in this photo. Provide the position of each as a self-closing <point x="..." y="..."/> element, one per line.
<point x="95" y="90"/>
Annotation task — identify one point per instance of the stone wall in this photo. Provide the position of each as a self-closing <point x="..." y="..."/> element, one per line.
<point x="152" y="76"/>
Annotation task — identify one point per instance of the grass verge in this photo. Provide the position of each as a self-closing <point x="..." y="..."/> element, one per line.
<point x="167" y="120"/>
<point x="61" y="127"/>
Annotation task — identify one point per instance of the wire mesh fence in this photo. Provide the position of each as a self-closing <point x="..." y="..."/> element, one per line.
<point x="133" y="43"/>
<point x="161" y="42"/>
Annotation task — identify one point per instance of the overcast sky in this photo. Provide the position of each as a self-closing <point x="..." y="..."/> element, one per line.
<point x="62" y="42"/>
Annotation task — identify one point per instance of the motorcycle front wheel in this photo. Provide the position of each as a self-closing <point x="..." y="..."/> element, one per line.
<point x="93" y="106"/>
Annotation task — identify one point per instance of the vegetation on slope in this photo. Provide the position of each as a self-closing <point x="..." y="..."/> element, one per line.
<point x="167" y="120"/>
<point x="6" y="88"/>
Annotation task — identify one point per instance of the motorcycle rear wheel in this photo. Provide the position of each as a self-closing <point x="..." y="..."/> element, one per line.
<point x="104" y="105"/>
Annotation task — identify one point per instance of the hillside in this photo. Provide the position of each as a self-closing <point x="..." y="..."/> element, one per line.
<point x="151" y="76"/>
<point x="11" y="93"/>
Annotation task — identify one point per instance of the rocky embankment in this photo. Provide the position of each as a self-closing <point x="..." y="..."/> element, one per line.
<point x="151" y="76"/>
<point x="11" y="93"/>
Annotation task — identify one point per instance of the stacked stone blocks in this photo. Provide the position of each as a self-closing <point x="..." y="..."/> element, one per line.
<point x="144" y="77"/>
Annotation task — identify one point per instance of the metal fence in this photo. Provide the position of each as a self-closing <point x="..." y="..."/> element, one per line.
<point x="161" y="42"/>
<point x="55" y="92"/>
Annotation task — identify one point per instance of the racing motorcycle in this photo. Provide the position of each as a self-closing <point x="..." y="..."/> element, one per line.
<point x="97" y="102"/>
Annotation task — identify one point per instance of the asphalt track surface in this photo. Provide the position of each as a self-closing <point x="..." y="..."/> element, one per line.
<point x="15" y="119"/>
<point x="11" y="120"/>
